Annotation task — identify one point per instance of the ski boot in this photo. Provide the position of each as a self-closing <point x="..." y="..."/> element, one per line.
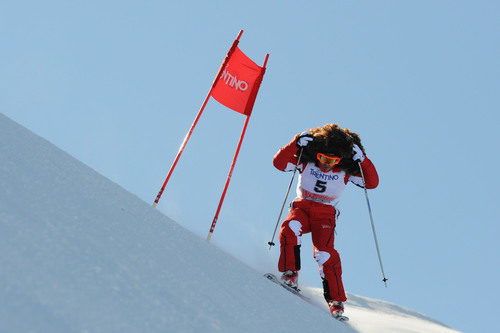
<point x="336" y="309"/>
<point x="291" y="279"/>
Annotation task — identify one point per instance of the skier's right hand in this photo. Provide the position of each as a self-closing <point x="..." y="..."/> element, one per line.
<point x="303" y="139"/>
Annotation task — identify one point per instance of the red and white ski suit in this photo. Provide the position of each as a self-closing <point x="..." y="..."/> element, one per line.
<point x="313" y="211"/>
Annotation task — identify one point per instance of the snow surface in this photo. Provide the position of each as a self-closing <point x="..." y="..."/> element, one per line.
<point x="78" y="253"/>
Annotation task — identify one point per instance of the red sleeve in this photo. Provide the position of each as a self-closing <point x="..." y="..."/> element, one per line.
<point x="286" y="155"/>
<point x="370" y="173"/>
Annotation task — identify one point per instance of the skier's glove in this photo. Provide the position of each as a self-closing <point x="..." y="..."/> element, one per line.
<point x="358" y="154"/>
<point x="303" y="139"/>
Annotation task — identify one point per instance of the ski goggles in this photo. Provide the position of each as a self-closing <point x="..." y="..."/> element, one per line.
<point x="328" y="160"/>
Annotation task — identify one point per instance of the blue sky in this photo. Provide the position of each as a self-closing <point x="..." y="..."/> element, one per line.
<point x="118" y="83"/>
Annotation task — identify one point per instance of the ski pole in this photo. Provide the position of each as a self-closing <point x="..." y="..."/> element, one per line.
<point x="373" y="224"/>
<point x="271" y="243"/>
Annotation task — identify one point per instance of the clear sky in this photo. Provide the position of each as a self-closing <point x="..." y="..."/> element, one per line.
<point x="118" y="83"/>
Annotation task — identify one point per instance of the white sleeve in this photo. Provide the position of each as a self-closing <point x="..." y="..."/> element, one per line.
<point x="291" y="167"/>
<point x="358" y="181"/>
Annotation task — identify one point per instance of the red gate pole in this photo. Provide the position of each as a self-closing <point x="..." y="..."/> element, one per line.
<point x="228" y="180"/>
<point x="232" y="166"/>
<point x="188" y="135"/>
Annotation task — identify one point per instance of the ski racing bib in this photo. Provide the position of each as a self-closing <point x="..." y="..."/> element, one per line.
<point x="324" y="187"/>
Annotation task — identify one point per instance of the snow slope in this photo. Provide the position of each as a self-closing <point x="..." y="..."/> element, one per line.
<point x="79" y="253"/>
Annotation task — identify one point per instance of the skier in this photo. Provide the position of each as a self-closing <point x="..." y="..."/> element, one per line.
<point x="328" y="162"/>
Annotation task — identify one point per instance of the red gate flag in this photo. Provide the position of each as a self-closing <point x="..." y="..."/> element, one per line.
<point x="236" y="86"/>
<point x="238" y="83"/>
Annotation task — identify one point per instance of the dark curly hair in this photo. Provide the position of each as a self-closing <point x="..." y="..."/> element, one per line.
<point x="330" y="139"/>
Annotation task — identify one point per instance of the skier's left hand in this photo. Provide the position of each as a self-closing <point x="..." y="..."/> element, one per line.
<point x="358" y="154"/>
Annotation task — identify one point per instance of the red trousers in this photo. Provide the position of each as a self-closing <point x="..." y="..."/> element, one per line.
<point x="307" y="216"/>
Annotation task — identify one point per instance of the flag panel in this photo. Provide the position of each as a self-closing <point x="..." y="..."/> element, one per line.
<point x="235" y="85"/>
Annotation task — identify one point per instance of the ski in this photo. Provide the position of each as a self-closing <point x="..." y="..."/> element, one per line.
<point x="297" y="292"/>
<point x="341" y="318"/>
